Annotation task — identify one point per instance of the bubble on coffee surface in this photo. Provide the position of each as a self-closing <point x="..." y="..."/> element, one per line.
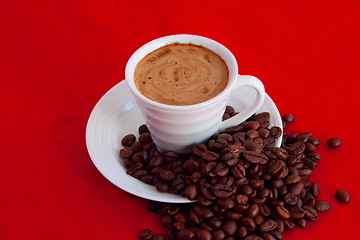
<point x="181" y="74"/>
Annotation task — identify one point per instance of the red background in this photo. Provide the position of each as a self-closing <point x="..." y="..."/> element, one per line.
<point x="59" y="57"/>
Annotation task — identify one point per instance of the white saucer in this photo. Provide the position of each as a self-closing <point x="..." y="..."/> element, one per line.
<point x="116" y="115"/>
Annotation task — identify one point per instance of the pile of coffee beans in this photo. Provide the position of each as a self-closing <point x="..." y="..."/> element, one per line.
<point x="244" y="186"/>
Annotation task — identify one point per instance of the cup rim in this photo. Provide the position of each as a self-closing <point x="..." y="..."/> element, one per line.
<point x="145" y="49"/>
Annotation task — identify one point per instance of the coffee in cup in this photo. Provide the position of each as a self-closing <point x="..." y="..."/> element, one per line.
<point x="181" y="74"/>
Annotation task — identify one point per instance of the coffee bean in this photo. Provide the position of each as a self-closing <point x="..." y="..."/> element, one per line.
<point x="167" y="175"/>
<point x="219" y="234"/>
<point x="203" y="212"/>
<point x="203" y="234"/>
<point x="229" y="110"/>
<point x="280" y="153"/>
<point x="222" y="169"/>
<point x="249" y="223"/>
<point x="128" y="140"/>
<point x="209" y="156"/>
<point x="274" y="167"/>
<point x="342" y="195"/>
<point x="301" y="223"/>
<point x="126" y="152"/>
<point x="310" y="213"/>
<point x="238" y="171"/>
<point x="230" y="159"/>
<point x="288" y="117"/>
<point x="263" y="118"/>
<point x="296" y="212"/>
<point x="191" y="192"/>
<point x="198" y="149"/>
<point x="322" y="206"/>
<point x="291" y="179"/>
<point x="252" y="211"/>
<point x="334" y="142"/>
<point x="145" y="138"/>
<point x="185" y="234"/>
<point x="268" y="226"/>
<point x="296" y="188"/>
<point x="159" y="236"/>
<point x="143" y="129"/>
<point x="282" y="212"/>
<point x="275" y="132"/>
<point x="170" y="156"/>
<point x="146" y="234"/>
<point x="254" y="157"/>
<point x="291" y="198"/>
<point x="314" y="189"/>
<point x="222" y="191"/>
<point x="229" y="227"/>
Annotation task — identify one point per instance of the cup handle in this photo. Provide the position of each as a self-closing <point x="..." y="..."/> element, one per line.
<point x="242" y="81"/>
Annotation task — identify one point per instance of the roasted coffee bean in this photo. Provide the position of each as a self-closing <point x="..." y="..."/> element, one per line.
<point x="191" y="192"/>
<point x="145" y="138"/>
<point x="241" y="232"/>
<point x="252" y="211"/>
<point x="156" y="161"/>
<point x="291" y="198"/>
<point x="126" y="152"/>
<point x="218" y="234"/>
<point x="203" y="234"/>
<point x="222" y="191"/>
<point x="268" y="236"/>
<point x="167" y="175"/>
<point x="296" y="212"/>
<point x="310" y="213"/>
<point x="253" y="237"/>
<point x="185" y="234"/>
<point x="264" y="210"/>
<point x="198" y="149"/>
<point x="220" y="143"/>
<point x="229" y="110"/>
<point x="143" y="129"/>
<point x="225" y="203"/>
<point x="288" y="117"/>
<point x="288" y="223"/>
<point x="146" y="234"/>
<point x="191" y="166"/>
<point x="280" y="153"/>
<point x="170" y="156"/>
<point x="263" y="119"/>
<point x="275" y="132"/>
<point x="303" y="137"/>
<point x="238" y="171"/>
<point x="322" y="206"/>
<point x="249" y="223"/>
<point x="342" y="195"/>
<point x="245" y="189"/>
<point x="253" y="157"/>
<point x="296" y="188"/>
<point x="314" y="189"/>
<point x="283" y="212"/>
<point x="268" y="226"/>
<point x="207" y="191"/>
<point x="162" y="186"/>
<point x="301" y="223"/>
<point x="274" y="167"/>
<point x="159" y="236"/>
<point x="210" y="156"/>
<point x="222" y="169"/>
<point x="230" y="159"/>
<point x="203" y="212"/>
<point x="334" y="142"/>
<point x="229" y="227"/>
<point x="253" y="125"/>
<point x="128" y="140"/>
<point x="291" y="179"/>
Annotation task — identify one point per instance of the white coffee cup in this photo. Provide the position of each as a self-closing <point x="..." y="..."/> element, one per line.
<point x="178" y="128"/>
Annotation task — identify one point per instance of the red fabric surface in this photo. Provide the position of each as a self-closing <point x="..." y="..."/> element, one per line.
<point x="59" y="57"/>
